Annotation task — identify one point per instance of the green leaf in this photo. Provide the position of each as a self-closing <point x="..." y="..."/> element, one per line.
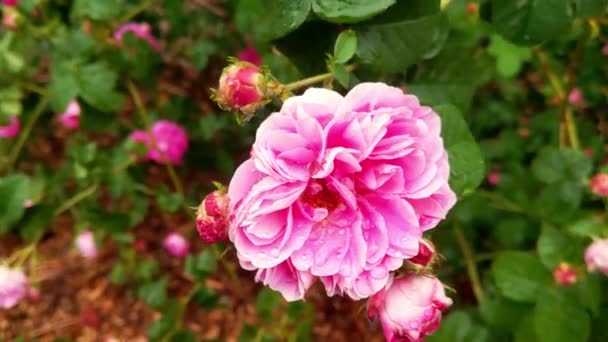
<point x="526" y="331"/>
<point x="308" y="58"/>
<point x="97" y="10"/>
<point x="558" y="317"/>
<point x="14" y="191"/>
<point x="63" y="87"/>
<point x="559" y="202"/>
<point x="342" y="75"/>
<point x="206" y="298"/>
<point x="392" y="46"/>
<point x="183" y="336"/>
<point x="32" y="228"/>
<point x="466" y="163"/>
<point x="345" y="47"/>
<point x="553" y="164"/>
<point x="108" y="222"/>
<point x="509" y="57"/>
<point x="554" y="247"/>
<point x="590" y="8"/>
<point x="454" y="328"/>
<point x="118" y="275"/>
<point x="504" y="314"/>
<point x="165" y="324"/>
<point x="587" y="227"/>
<point x="519" y="276"/>
<point x="96" y="83"/>
<point x="147" y="269"/>
<point x="267" y="300"/>
<point x="201" y="265"/>
<point x="154" y="292"/>
<point x="168" y="201"/>
<point x="588" y="288"/>
<point x="531" y="21"/>
<point x="269" y="20"/>
<point x="349" y="11"/>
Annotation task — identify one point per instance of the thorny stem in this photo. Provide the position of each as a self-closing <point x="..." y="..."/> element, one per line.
<point x="470" y="264"/>
<point x="25" y="133"/>
<point x="312" y="80"/>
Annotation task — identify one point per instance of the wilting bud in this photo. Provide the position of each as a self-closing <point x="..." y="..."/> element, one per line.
<point x="410" y="308"/>
<point x="596" y="256"/>
<point x="12" y="129"/>
<point x="13" y="286"/>
<point x="85" y="243"/>
<point x="564" y="274"/>
<point x="242" y="88"/>
<point x="212" y="217"/>
<point x="426" y="252"/>
<point x="176" y="245"/>
<point x="599" y="184"/>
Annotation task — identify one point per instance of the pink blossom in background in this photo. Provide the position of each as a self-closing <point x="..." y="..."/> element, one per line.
<point x="599" y="184"/>
<point x="596" y="256"/>
<point x="605" y="50"/>
<point x="85" y="243"/>
<point x="494" y="178"/>
<point x="140" y="30"/>
<point x="410" y="308"/>
<point x="12" y="129"/>
<point x="170" y="138"/>
<point x="564" y="274"/>
<point x="426" y="253"/>
<point x="13" y="286"/>
<point x="212" y="217"/>
<point x="249" y="54"/>
<point x="241" y="84"/>
<point x="9" y="20"/>
<point x="339" y="189"/>
<point x="176" y="245"/>
<point x="71" y="117"/>
<point x="575" y="97"/>
<point x="10" y="2"/>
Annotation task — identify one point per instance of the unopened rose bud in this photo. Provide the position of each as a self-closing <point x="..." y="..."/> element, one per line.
<point x="426" y="252"/>
<point x="70" y="119"/>
<point x="410" y="308"/>
<point x="11" y="129"/>
<point x="250" y="55"/>
<point x="493" y="178"/>
<point x="85" y="243"/>
<point x="599" y="184"/>
<point x="564" y="274"/>
<point x="176" y="245"/>
<point x="212" y="217"/>
<point x="242" y="88"/>
<point x="596" y="256"/>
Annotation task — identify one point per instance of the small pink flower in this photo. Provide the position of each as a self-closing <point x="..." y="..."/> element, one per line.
<point x="599" y="184"/>
<point x="605" y="50"/>
<point x="171" y="140"/>
<point x="576" y="97"/>
<point x="212" y="217"/>
<point x="426" y="253"/>
<point x="242" y="85"/>
<point x="9" y="20"/>
<point x="410" y="308"/>
<point x="13" y="286"/>
<point x="564" y="274"/>
<point x="85" y="243"/>
<point x="140" y="30"/>
<point x="339" y="189"/>
<point x="494" y="178"/>
<point x="71" y="117"/>
<point x="10" y="2"/>
<point x="176" y="245"/>
<point x="596" y="256"/>
<point x="12" y="129"/>
<point x="249" y="54"/>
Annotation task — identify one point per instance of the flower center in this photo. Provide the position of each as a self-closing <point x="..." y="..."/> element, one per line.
<point x="318" y="195"/>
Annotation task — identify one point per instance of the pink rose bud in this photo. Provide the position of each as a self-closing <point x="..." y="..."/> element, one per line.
<point x="212" y="217"/>
<point x="250" y="55"/>
<point x="13" y="286"/>
<point x="410" y="308"/>
<point x="242" y="87"/>
<point x="176" y="245"/>
<point x="575" y="97"/>
<point x="599" y="184"/>
<point x="564" y="274"/>
<point x="596" y="256"/>
<point x="605" y="50"/>
<point x="141" y="31"/>
<point x="426" y="252"/>
<point x="12" y="129"/>
<point x="71" y="117"/>
<point x="494" y="178"/>
<point x="85" y="243"/>
<point x="10" y="2"/>
<point x="171" y="141"/>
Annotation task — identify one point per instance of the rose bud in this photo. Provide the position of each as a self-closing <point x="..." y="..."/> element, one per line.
<point x="13" y="286"/>
<point x="212" y="217"/>
<point x="176" y="245"/>
<point x="10" y="2"/>
<point x="250" y="55"/>
<point x="242" y="88"/>
<point x="410" y="308"/>
<point x="85" y="243"/>
<point x="10" y="130"/>
<point x="426" y="252"/>
<point x="564" y="274"/>
<point x="493" y="178"/>
<point x="599" y="184"/>
<point x="596" y="256"/>
<point x="70" y="119"/>
<point x="575" y="97"/>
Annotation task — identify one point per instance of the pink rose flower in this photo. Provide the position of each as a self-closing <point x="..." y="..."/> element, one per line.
<point x="575" y="97"/>
<point x="410" y="308"/>
<point x="85" y="243"/>
<point x="10" y="2"/>
<point x="13" y="286"/>
<point x="599" y="184"/>
<point x="426" y="253"/>
<point x="12" y="129"/>
<point x="596" y="256"/>
<point x="140" y="30"/>
<point x="176" y="245"/>
<point x="212" y="217"/>
<point x="71" y="117"/>
<point x="170" y="138"/>
<point x="564" y="274"/>
<point x="242" y="85"/>
<point x="339" y="189"/>
<point x="249" y="54"/>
